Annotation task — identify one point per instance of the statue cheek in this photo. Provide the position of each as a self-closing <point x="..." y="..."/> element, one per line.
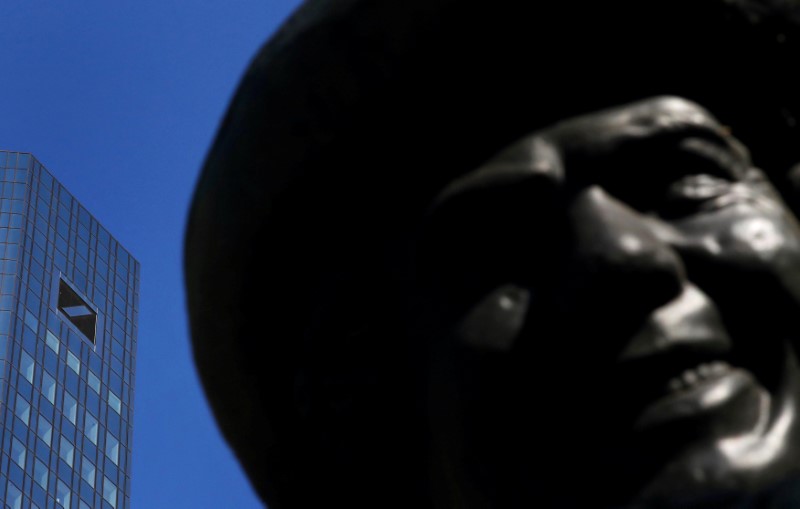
<point x="762" y="243"/>
<point x="757" y="238"/>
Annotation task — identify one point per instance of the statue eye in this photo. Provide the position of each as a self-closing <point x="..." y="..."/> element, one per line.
<point x="692" y="194"/>
<point x="698" y="180"/>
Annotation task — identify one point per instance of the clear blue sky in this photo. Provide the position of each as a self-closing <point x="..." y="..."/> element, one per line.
<point x="120" y="101"/>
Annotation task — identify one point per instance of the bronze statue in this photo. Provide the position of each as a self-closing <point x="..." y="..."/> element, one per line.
<point x="430" y="264"/>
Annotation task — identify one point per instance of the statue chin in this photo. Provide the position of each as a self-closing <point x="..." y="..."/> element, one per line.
<point x="747" y="451"/>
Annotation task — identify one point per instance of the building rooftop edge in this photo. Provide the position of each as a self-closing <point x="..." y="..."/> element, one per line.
<point x="135" y="260"/>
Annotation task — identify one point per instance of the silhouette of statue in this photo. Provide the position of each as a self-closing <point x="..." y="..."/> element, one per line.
<point x="458" y="254"/>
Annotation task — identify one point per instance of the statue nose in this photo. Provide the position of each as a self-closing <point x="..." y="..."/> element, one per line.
<point x="617" y="258"/>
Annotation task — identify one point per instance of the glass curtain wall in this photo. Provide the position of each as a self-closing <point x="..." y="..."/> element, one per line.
<point x="68" y="312"/>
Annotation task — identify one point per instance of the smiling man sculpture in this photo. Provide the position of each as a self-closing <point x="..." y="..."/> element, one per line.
<point x="650" y="244"/>
<point x="424" y="274"/>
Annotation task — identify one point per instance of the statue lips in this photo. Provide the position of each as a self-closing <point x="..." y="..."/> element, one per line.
<point x="679" y="374"/>
<point x="723" y="398"/>
<point x="690" y="393"/>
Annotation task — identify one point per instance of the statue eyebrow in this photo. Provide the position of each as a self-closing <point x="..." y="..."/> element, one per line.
<point x="711" y="152"/>
<point x="605" y="133"/>
<point x="531" y="160"/>
<point x="701" y="142"/>
<point x="718" y="135"/>
<point x="689" y="122"/>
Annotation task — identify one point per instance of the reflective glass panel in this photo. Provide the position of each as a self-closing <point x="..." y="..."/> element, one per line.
<point x="90" y="427"/>
<point x="109" y="491"/>
<point x="45" y="430"/>
<point x="53" y="342"/>
<point x="31" y="321"/>
<point x="14" y="497"/>
<point x="40" y="474"/>
<point x="88" y="471"/>
<point x="67" y="451"/>
<point x="94" y="382"/>
<point x="112" y="448"/>
<point x="70" y="408"/>
<point x="63" y="495"/>
<point x="49" y="387"/>
<point x="114" y="402"/>
<point x="23" y="410"/>
<point x="18" y="453"/>
<point x="26" y="366"/>
<point x="73" y="362"/>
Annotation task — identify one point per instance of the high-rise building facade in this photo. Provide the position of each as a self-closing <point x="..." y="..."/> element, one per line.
<point x="68" y="312"/>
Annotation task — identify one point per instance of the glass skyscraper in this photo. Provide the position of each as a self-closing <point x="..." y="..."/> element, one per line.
<point x="68" y="311"/>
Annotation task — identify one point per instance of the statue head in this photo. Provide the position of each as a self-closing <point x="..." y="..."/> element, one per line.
<point x="431" y="269"/>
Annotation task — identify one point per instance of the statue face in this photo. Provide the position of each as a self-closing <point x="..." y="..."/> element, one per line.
<point x="621" y="294"/>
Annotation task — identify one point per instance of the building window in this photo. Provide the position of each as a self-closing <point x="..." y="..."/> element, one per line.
<point x="70" y="408"/>
<point x="88" y="471"/>
<point x="73" y="362"/>
<point x="5" y="322"/>
<point x="112" y="448"/>
<point x="109" y="491"/>
<point x="31" y="321"/>
<point x="14" y="497"/>
<point x="27" y="366"/>
<point x="67" y="451"/>
<point x="41" y="474"/>
<point x="23" y="410"/>
<point x="114" y="401"/>
<point x="94" y="382"/>
<point x="53" y="342"/>
<point x="18" y="453"/>
<point x="90" y="427"/>
<point x="45" y="431"/>
<point x="62" y="494"/>
<point x="49" y="387"/>
<point x="77" y="311"/>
